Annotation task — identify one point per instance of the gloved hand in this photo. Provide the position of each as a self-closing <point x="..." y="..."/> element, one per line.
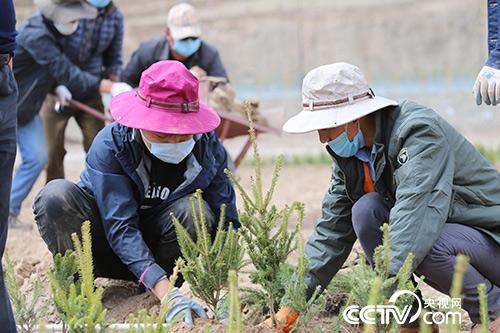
<point x="285" y="318"/>
<point x="487" y="86"/>
<point x="180" y="304"/>
<point x="64" y="95"/>
<point x="120" y="87"/>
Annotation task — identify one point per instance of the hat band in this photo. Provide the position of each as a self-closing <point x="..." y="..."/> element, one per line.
<point x="182" y="107"/>
<point x="350" y="99"/>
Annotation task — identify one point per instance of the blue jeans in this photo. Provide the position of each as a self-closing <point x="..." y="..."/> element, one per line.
<point x="8" y="121"/>
<point x="369" y="213"/>
<point x="33" y="149"/>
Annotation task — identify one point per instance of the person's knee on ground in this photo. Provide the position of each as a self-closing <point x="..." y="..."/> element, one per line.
<point x="51" y="214"/>
<point x="369" y="213"/>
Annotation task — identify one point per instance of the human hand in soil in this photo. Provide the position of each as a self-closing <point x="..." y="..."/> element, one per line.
<point x="285" y="319"/>
<point x="182" y="305"/>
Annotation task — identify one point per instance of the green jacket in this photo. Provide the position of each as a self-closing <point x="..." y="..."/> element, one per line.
<point x="429" y="175"/>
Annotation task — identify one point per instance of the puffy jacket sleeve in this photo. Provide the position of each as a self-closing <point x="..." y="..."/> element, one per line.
<point x="423" y="191"/>
<point x="333" y="237"/>
<point x="44" y="50"/>
<point x="220" y="190"/>
<point x="114" y="194"/>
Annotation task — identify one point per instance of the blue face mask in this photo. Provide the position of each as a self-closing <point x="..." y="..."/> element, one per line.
<point x="99" y="3"/>
<point x="344" y="147"/>
<point x="187" y="47"/>
<point x="172" y="153"/>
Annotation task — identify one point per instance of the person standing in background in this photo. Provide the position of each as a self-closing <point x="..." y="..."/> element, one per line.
<point x="96" y="48"/>
<point x="487" y="86"/>
<point x="8" y="99"/>
<point x="181" y="42"/>
<point x="40" y="66"/>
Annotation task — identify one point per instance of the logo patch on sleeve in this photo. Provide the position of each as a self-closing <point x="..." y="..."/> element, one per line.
<point x="403" y="156"/>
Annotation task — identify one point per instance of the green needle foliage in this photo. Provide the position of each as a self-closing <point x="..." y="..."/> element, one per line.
<point x="234" y="322"/>
<point x="206" y="264"/>
<point x="483" y="308"/>
<point x="373" y="285"/>
<point x="155" y="323"/>
<point x="264" y="228"/>
<point x="296" y="291"/>
<point x="26" y="312"/>
<point x="78" y="303"/>
<point x="374" y="299"/>
<point x="456" y="287"/>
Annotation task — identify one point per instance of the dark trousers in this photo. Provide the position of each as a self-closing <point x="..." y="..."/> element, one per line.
<point x="62" y="206"/>
<point x="369" y="213"/>
<point x="55" y="128"/>
<point x="8" y="123"/>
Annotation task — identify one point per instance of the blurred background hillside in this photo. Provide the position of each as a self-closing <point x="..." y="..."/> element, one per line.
<point x="428" y="50"/>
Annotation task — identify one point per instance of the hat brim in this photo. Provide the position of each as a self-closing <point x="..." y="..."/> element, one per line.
<point x="127" y="110"/>
<point x="67" y="12"/>
<point x="308" y="121"/>
<point x="185" y="32"/>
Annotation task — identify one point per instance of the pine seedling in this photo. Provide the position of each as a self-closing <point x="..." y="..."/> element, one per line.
<point x="363" y="280"/>
<point x="374" y="299"/>
<point x="483" y="308"/>
<point x="79" y="305"/>
<point x="296" y="291"/>
<point x="27" y="313"/>
<point x="206" y="263"/>
<point x="264" y="227"/>
<point x="456" y="287"/>
<point x="234" y="322"/>
<point x="142" y="322"/>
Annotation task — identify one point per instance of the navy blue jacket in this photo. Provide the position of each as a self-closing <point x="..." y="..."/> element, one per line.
<point x="116" y="175"/>
<point x="39" y="63"/>
<point x="151" y="51"/>
<point x="7" y="27"/>
<point x="493" y="34"/>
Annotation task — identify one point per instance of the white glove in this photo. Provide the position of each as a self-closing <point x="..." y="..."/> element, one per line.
<point x="120" y="87"/>
<point x="487" y="86"/>
<point x="64" y="95"/>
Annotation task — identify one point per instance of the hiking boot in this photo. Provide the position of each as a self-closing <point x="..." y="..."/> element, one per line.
<point x="16" y="223"/>
<point x="435" y="329"/>
<point x="493" y="328"/>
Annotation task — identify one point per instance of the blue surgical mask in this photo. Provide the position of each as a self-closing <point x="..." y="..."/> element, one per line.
<point x="187" y="47"/>
<point x="344" y="147"/>
<point x="99" y="3"/>
<point x="172" y="153"/>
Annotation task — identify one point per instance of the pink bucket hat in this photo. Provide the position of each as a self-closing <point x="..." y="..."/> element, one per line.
<point x="166" y="102"/>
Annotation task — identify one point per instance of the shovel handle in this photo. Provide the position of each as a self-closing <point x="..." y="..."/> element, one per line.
<point x="87" y="109"/>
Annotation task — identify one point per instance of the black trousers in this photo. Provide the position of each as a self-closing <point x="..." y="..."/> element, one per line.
<point x="61" y="207"/>
<point x="8" y="125"/>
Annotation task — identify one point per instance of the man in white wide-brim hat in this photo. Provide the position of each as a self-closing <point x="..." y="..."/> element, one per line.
<point x="401" y="164"/>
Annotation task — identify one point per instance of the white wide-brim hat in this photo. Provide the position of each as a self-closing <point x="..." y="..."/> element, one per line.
<point x="334" y="95"/>
<point x="64" y="11"/>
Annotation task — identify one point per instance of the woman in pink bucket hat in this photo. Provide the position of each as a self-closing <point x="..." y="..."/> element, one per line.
<point x="139" y="170"/>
